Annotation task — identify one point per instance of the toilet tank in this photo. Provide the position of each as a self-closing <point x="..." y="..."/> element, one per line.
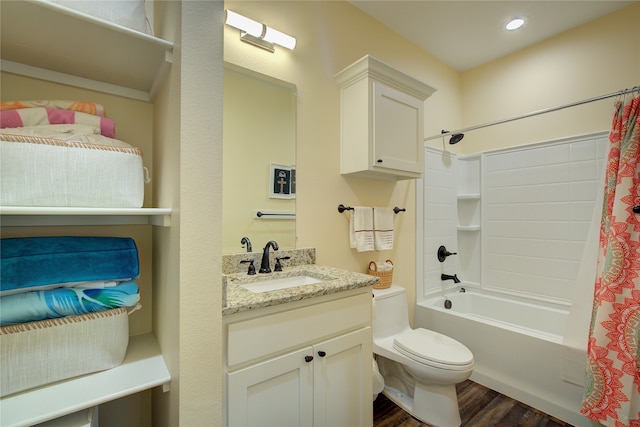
<point x="391" y="315"/>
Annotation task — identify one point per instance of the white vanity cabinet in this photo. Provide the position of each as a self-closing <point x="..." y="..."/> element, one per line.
<point x="382" y="121"/>
<point x="301" y="364"/>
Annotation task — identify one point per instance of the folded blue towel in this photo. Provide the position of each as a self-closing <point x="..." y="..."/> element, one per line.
<point x="61" y="302"/>
<point x="37" y="261"/>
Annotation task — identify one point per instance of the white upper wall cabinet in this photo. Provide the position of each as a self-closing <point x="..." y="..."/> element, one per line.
<point x="43" y="40"/>
<point x="382" y="115"/>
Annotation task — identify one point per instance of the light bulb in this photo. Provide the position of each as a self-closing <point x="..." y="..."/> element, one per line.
<point x="514" y="24"/>
<point x="275" y="36"/>
<point x="244" y="24"/>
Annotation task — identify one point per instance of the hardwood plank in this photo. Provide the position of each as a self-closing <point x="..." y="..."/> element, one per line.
<point x="479" y="407"/>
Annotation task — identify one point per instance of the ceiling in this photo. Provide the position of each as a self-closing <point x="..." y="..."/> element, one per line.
<point x="466" y="34"/>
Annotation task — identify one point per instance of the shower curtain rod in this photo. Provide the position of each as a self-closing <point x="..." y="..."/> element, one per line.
<point x="536" y="113"/>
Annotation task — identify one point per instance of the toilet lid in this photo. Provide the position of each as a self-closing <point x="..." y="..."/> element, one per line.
<point x="427" y="346"/>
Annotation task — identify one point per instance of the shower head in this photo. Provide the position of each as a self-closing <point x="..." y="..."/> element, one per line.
<point x="455" y="138"/>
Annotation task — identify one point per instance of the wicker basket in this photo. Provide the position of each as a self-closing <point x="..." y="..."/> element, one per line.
<point x="385" y="276"/>
<point x="37" y="353"/>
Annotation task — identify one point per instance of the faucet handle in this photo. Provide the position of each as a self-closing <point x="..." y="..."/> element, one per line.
<point x="278" y="266"/>
<point x="443" y="253"/>
<point x="252" y="269"/>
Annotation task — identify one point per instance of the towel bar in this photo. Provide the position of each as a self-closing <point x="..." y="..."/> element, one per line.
<point x="342" y="208"/>
<point x="274" y="215"/>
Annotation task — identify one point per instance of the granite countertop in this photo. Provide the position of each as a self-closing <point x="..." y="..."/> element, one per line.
<point x="239" y="299"/>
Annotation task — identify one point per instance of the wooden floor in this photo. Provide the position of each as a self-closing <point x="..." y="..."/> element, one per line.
<point x="479" y="407"/>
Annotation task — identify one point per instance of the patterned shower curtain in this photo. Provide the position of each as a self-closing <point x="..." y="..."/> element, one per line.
<point x="612" y="393"/>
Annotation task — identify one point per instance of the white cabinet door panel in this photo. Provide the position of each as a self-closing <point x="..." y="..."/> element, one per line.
<point x="274" y="393"/>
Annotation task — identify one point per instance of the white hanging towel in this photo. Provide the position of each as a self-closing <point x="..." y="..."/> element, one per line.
<point x="361" y="229"/>
<point x="383" y="228"/>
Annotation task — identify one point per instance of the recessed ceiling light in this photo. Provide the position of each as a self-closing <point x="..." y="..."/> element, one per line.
<point x="514" y="24"/>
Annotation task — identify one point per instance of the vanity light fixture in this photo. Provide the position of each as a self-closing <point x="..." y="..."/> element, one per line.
<point x="514" y="24"/>
<point x="259" y="34"/>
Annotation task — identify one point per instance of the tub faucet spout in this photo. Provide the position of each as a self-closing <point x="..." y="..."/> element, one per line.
<point x="264" y="265"/>
<point x="449" y="277"/>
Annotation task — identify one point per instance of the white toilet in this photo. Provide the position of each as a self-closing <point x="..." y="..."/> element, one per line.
<point x="420" y="367"/>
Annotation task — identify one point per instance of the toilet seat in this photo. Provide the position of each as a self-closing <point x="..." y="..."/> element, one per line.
<point x="433" y="349"/>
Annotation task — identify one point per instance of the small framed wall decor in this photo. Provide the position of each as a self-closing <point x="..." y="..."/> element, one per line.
<point x="282" y="181"/>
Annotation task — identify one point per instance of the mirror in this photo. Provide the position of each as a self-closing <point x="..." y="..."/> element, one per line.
<point x="258" y="160"/>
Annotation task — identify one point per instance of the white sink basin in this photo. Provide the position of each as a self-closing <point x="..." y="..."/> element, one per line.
<point x="280" y="283"/>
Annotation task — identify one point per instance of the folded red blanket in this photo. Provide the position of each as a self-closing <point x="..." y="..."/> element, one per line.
<point x="81" y="106"/>
<point x="51" y="116"/>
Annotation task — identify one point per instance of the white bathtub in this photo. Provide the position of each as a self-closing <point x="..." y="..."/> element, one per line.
<point x="517" y="346"/>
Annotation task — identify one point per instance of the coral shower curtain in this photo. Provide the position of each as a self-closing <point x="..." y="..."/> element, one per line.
<point x="612" y="392"/>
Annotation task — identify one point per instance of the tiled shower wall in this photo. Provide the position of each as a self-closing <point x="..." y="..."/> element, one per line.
<point x="440" y="217"/>
<point x="537" y="203"/>
<point x="538" y="207"/>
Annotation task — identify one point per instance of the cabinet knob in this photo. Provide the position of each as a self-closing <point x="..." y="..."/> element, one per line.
<point x="322" y="353"/>
<point x="379" y="161"/>
<point x="308" y="358"/>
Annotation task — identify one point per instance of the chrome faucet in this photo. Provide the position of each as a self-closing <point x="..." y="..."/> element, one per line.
<point x="449" y="277"/>
<point x="264" y="265"/>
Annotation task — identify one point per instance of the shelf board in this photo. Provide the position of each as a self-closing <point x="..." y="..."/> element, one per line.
<point x="469" y="196"/>
<point x="468" y="228"/>
<point x="143" y="368"/>
<point x="22" y="216"/>
<point x="113" y="59"/>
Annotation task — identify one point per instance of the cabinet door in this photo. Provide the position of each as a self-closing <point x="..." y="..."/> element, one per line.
<point x="398" y="130"/>
<point x="274" y="393"/>
<point x="342" y="373"/>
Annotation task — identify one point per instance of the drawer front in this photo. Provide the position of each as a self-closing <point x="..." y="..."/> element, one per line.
<point x="274" y="333"/>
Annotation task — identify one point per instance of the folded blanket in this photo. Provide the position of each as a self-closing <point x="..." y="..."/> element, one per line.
<point x="44" y="116"/>
<point x="81" y="106"/>
<point x="36" y="261"/>
<point x="61" y="302"/>
<point x="69" y="133"/>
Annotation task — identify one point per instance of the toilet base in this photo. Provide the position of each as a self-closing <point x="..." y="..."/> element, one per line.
<point x="433" y="404"/>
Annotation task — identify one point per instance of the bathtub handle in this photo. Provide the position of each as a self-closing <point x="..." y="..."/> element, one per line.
<point x="443" y="253"/>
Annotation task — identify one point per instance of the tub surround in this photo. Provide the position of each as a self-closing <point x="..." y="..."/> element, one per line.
<point x="302" y="262"/>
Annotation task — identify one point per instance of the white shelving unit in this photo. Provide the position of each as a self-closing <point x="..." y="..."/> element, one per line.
<point x="42" y="40"/>
<point x="143" y="368"/>
<point x="469" y="218"/>
<point x="18" y="216"/>
<point x="80" y="50"/>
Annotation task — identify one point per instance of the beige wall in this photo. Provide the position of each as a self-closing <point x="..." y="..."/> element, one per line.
<point x="595" y="59"/>
<point x="331" y="35"/>
<point x="187" y="255"/>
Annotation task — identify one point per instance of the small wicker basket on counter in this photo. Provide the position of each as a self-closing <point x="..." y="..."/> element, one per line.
<point x="385" y="276"/>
